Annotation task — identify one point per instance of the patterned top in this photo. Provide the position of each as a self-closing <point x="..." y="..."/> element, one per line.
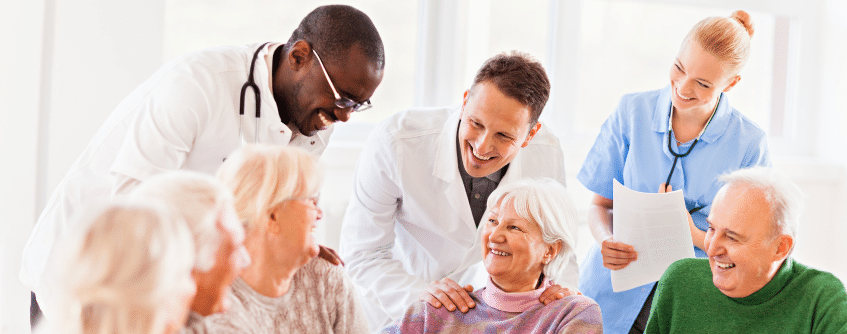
<point x="497" y="311"/>
<point x="321" y="300"/>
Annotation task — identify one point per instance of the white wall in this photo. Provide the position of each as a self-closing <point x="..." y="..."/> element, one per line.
<point x="20" y="31"/>
<point x="66" y="65"/>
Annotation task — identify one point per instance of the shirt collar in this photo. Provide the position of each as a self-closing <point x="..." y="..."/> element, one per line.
<point x="515" y="301"/>
<point x="716" y="127"/>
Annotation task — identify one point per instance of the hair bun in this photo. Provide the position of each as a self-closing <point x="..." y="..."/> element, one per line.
<point x="743" y="18"/>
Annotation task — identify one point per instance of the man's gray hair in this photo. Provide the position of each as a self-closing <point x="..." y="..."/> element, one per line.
<point x="784" y="198"/>
<point x="546" y="203"/>
<point x="201" y="201"/>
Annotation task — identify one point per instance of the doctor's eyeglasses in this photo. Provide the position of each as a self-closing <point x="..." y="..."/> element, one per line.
<point x="342" y="102"/>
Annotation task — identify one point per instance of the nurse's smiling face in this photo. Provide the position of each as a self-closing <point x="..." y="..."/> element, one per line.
<point x="307" y="96"/>
<point x="698" y="78"/>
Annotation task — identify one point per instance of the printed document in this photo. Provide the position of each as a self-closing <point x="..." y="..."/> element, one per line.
<point x="656" y="225"/>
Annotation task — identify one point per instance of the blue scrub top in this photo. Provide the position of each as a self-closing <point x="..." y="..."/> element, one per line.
<point x="632" y="147"/>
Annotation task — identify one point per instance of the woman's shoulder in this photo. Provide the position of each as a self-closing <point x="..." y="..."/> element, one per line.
<point x="646" y="100"/>
<point x="638" y="106"/>
<point x="579" y="302"/>
<point x="320" y="268"/>
<point x="744" y="123"/>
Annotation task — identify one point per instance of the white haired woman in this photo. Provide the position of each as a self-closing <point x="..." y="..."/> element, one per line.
<point x="525" y="243"/>
<point x="286" y="288"/>
<point x="128" y="271"/>
<point x="206" y="205"/>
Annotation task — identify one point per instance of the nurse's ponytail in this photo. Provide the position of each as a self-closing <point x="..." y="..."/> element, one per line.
<point x="727" y="38"/>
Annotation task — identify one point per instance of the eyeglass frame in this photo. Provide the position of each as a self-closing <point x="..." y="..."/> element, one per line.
<point x="340" y="101"/>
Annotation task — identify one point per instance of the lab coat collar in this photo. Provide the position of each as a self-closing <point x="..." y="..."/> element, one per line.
<point x="271" y="128"/>
<point x="716" y="127"/>
<point x="446" y="168"/>
<point x="446" y="161"/>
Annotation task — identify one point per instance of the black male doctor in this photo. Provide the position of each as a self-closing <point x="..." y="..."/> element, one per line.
<point x="187" y="116"/>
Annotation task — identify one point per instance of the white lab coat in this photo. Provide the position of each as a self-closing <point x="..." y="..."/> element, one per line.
<point x="185" y="116"/>
<point x="409" y="222"/>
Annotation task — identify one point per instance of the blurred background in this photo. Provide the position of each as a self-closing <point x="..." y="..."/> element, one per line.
<point x="64" y="66"/>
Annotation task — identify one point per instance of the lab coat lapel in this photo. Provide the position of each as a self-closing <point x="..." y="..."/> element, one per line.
<point x="270" y="127"/>
<point x="446" y="169"/>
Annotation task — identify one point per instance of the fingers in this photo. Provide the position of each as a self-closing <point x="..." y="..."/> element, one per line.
<point x="617" y="255"/>
<point x="430" y="299"/>
<point x="665" y="188"/>
<point x="554" y="293"/>
<point x="449" y="294"/>
<point x="618" y="249"/>
<point x="330" y="255"/>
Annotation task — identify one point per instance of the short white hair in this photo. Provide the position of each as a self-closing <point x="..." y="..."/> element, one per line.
<point x="201" y="201"/>
<point x="124" y="269"/>
<point x="784" y="198"/>
<point x="261" y="176"/>
<point x="546" y="203"/>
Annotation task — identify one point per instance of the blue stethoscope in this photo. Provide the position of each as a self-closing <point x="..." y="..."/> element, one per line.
<point x="252" y="84"/>
<point x="676" y="155"/>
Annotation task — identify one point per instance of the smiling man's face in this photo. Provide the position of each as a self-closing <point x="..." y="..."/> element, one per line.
<point x="494" y="127"/>
<point x="744" y="253"/>
<point x="310" y="101"/>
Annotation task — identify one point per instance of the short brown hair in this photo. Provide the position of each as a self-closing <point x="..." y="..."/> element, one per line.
<point x="519" y="76"/>
<point x="727" y="38"/>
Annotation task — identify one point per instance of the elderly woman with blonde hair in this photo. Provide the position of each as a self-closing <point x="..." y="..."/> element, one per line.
<point x="128" y="271"/>
<point x="286" y="288"/>
<point x="525" y="244"/>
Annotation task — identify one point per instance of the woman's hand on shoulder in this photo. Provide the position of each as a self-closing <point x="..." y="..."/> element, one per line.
<point x="448" y="293"/>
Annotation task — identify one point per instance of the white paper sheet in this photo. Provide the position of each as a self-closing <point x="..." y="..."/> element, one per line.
<point x="656" y="225"/>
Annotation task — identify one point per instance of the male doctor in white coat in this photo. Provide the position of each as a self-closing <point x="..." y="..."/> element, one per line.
<point x="186" y="116"/>
<point x="422" y="181"/>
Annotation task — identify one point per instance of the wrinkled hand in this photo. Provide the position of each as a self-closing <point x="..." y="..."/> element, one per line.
<point x="556" y="292"/>
<point x="448" y="293"/>
<point x="617" y="255"/>
<point x="330" y="255"/>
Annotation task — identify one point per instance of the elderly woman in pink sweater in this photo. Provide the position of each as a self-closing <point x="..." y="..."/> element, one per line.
<point x="525" y="243"/>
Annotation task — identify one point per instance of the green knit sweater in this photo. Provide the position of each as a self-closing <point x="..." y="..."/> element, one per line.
<point x="798" y="299"/>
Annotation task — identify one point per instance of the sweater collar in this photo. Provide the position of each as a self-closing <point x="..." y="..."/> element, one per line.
<point x="512" y="302"/>
<point x="770" y="290"/>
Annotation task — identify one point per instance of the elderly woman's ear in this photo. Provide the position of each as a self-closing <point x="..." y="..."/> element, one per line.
<point x="273" y="225"/>
<point x="552" y="250"/>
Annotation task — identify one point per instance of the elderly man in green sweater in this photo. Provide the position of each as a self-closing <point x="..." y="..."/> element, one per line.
<point x="749" y="283"/>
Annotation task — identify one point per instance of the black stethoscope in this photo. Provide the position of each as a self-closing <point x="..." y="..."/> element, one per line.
<point x="252" y="84"/>
<point x="676" y="155"/>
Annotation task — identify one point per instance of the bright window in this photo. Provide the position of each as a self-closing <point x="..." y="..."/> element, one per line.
<point x="629" y="46"/>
